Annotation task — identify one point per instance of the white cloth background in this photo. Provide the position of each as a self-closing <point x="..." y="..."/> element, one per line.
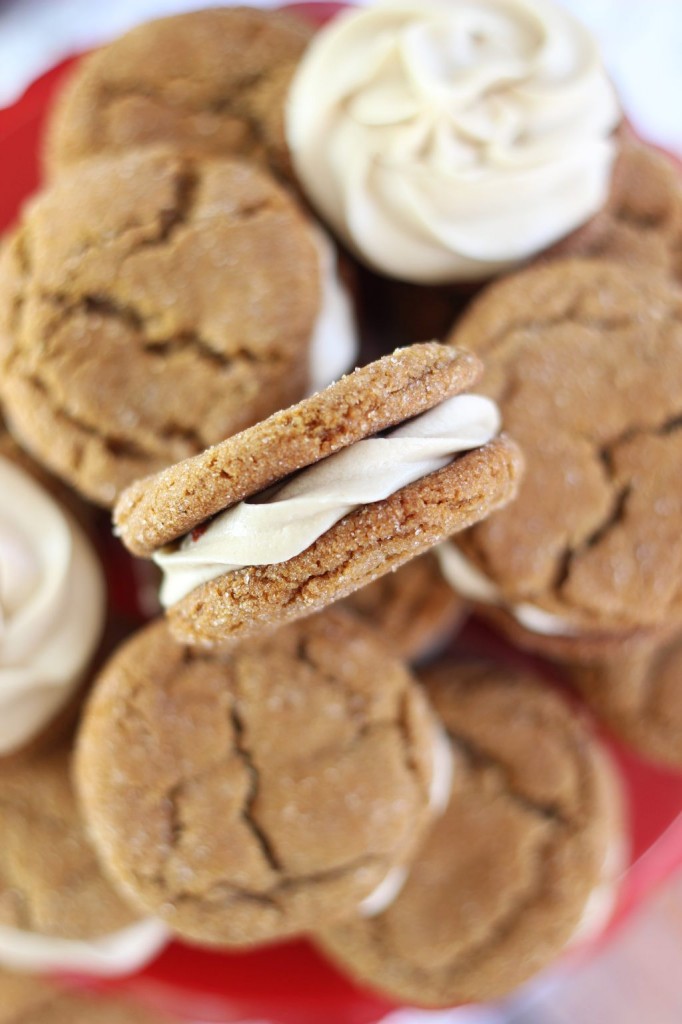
<point x="642" y="45"/>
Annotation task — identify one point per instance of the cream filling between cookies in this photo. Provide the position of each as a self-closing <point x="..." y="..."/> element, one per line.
<point x="118" y="953"/>
<point x="287" y="519"/>
<point x="52" y="603"/>
<point x="468" y="580"/>
<point x="334" y="345"/>
<point x="439" y="797"/>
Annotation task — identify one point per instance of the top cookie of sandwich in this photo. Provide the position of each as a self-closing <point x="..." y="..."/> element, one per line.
<point x="362" y="506"/>
<point x="151" y="304"/>
<point x="212" y="82"/>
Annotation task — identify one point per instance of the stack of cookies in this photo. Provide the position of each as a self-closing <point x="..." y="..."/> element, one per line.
<point x="236" y="211"/>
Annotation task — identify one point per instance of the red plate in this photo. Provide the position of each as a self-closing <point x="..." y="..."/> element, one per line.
<point x="290" y="983"/>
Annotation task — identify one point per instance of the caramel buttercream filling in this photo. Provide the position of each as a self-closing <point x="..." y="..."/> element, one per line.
<point x="281" y="523"/>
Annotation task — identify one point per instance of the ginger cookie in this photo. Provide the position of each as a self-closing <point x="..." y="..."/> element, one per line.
<point x="521" y="864"/>
<point x="243" y="795"/>
<point x="414" y="608"/>
<point x="150" y="305"/>
<point x="52" y="604"/>
<point x="212" y="82"/>
<point x="57" y="911"/>
<point x="641" y="222"/>
<point x="584" y="358"/>
<point x="371" y="496"/>
<point x="638" y="695"/>
<point x="27" y="1000"/>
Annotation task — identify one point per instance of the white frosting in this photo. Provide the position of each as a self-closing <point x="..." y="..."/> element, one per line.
<point x="385" y="893"/>
<point x="119" y="953"/>
<point x="52" y="602"/>
<point x="439" y="797"/>
<point x="293" y="516"/>
<point x="468" y="580"/>
<point x="334" y="345"/>
<point x="448" y="140"/>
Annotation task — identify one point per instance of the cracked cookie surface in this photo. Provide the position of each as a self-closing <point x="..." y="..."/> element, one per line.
<point x="243" y="796"/>
<point x="502" y="880"/>
<point x="213" y="82"/>
<point x="413" y="608"/>
<point x="641" y="222"/>
<point x="638" y="695"/>
<point x="585" y="359"/>
<point x="152" y="305"/>
<point x="50" y="879"/>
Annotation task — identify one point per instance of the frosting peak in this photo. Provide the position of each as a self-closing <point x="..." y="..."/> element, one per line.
<point x="51" y="607"/>
<point x="451" y="139"/>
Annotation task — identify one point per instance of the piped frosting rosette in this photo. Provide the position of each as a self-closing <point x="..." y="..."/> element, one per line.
<point x="452" y="139"/>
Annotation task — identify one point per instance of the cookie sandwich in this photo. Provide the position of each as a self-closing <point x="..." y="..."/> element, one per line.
<point x="244" y="795"/>
<point x="323" y="498"/>
<point x="584" y="358"/>
<point x="212" y="82"/>
<point x="523" y="863"/>
<point x="58" y="913"/>
<point x="152" y="304"/>
<point x="52" y="604"/>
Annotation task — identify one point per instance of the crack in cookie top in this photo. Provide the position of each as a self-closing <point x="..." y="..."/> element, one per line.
<point x="52" y="604"/>
<point x="447" y="141"/>
<point x="162" y="509"/>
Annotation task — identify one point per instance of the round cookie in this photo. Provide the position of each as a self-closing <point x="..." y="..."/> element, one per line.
<point x="52" y="604"/>
<point x="151" y="305"/>
<point x="641" y="222"/>
<point x="413" y="608"/>
<point x="25" y="1000"/>
<point x="507" y="876"/>
<point x="344" y="522"/>
<point x="584" y="358"/>
<point x="212" y="82"/>
<point x="638" y="695"/>
<point x="244" y="795"/>
<point x="57" y="911"/>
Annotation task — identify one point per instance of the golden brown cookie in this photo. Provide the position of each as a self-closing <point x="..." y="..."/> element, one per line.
<point x="641" y="223"/>
<point x="508" y="875"/>
<point x="26" y="1000"/>
<point x="57" y="911"/>
<point x="413" y="608"/>
<point x="53" y="605"/>
<point x="368" y="541"/>
<point x="212" y="82"/>
<point x="151" y="305"/>
<point x="585" y="361"/>
<point x="638" y="695"/>
<point x="241" y="796"/>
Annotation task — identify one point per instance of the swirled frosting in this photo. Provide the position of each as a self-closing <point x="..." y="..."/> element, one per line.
<point x="468" y="580"/>
<point x="451" y="139"/>
<point x="51" y="607"/>
<point x="118" y="953"/>
<point x="287" y="520"/>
